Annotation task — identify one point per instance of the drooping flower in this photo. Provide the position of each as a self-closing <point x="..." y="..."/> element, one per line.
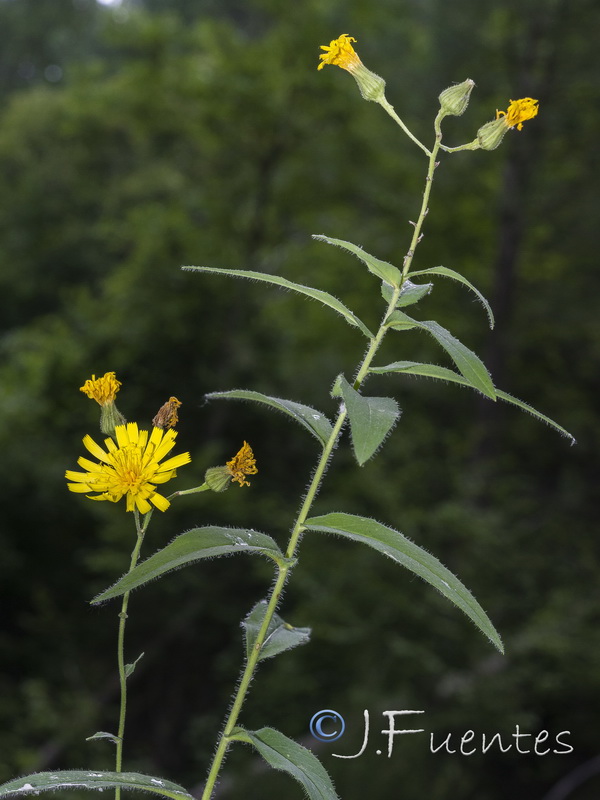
<point x="519" y="111"/>
<point x="243" y="463"/>
<point x="490" y="135"/>
<point x="130" y="467"/>
<point x="103" y="390"/>
<point x="166" y="416"/>
<point x="341" y="53"/>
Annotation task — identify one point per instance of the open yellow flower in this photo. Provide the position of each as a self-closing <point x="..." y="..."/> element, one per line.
<point x="130" y="468"/>
<point x="519" y="111"/>
<point x="243" y="463"/>
<point x="341" y="53"/>
<point x="102" y="390"/>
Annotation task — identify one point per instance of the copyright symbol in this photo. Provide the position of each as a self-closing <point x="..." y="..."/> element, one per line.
<point x="334" y="723"/>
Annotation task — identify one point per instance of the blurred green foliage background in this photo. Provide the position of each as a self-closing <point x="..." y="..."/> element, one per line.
<point x="138" y="137"/>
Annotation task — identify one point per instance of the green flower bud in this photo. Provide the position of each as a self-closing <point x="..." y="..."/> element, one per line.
<point x="217" y="478"/>
<point x="491" y="134"/>
<point x="455" y="99"/>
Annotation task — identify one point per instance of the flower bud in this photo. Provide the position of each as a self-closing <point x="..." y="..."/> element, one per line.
<point x="455" y="99"/>
<point x="217" y="478"/>
<point x="490" y="135"/>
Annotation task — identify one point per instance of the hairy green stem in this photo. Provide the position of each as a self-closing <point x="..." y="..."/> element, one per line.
<point x="290" y="553"/>
<point x="315" y="484"/>
<point x="141" y="528"/>
<point x="390" y="110"/>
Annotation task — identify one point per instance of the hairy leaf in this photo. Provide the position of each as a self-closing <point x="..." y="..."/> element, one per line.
<point x="280" y="635"/>
<point x="371" y="419"/>
<point x="323" y="297"/>
<point x="405" y="552"/>
<point x="387" y="272"/>
<point x="470" y="365"/>
<point x="456" y="276"/>
<point x="91" y="779"/>
<point x="308" y="417"/>
<point x="445" y="374"/>
<point x="283" y="753"/>
<point x="411" y="293"/>
<point x="192" y="546"/>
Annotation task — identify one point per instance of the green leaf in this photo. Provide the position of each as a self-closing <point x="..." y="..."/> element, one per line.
<point x="444" y="374"/>
<point x="90" y="779"/>
<point x="280" y="635"/>
<point x="283" y="753"/>
<point x="192" y="546"/>
<point x="456" y="276"/>
<point x="129" y="668"/>
<point x="323" y="297"/>
<point x="470" y="365"/>
<point x="308" y="417"/>
<point x="411" y="293"/>
<point x="387" y="272"/>
<point x="103" y="735"/>
<point x="397" y="547"/>
<point x="371" y="419"/>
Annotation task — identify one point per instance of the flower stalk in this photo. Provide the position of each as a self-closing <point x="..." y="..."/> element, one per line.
<point x="141" y="528"/>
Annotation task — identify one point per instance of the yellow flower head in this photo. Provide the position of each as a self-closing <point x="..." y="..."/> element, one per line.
<point x="102" y="390"/>
<point x="243" y="463"/>
<point x="131" y="467"/>
<point x="166" y="416"/>
<point x="341" y="53"/>
<point x="519" y="111"/>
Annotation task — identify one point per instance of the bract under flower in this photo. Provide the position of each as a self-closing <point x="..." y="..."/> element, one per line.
<point x="243" y="463"/>
<point x="519" y="111"/>
<point x="102" y="390"/>
<point x="130" y="467"/>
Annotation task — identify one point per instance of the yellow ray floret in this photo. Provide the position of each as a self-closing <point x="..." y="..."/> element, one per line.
<point x="341" y="53"/>
<point x="243" y="463"/>
<point x="519" y="111"/>
<point x="129" y="467"/>
<point x="102" y="390"/>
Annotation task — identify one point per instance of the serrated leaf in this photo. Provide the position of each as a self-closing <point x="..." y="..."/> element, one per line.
<point x="387" y="272"/>
<point x="469" y="364"/>
<point x="103" y="735"/>
<point x="444" y="374"/>
<point x="129" y="668"/>
<point x="456" y="276"/>
<point x="187" y="548"/>
<point x="283" y="753"/>
<point x="314" y="421"/>
<point x="91" y="779"/>
<point x="316" y="294"/>
<point x="371" y="419"/>
<point x="280" y="635"/>
<point x="396" y="546"/>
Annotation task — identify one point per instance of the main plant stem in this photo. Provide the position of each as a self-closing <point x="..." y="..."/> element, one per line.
<point x="313" y="490"/>
<point x="140" y="530"/>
